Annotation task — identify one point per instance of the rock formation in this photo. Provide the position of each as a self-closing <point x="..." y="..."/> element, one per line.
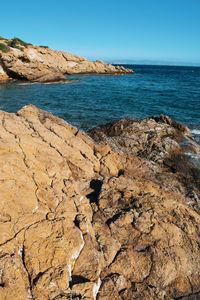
<point x="113" y="215"/>
<point x="3" y="76"/>
<point x="24" y="61"/>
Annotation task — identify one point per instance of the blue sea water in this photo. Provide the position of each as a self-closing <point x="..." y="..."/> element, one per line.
<point x="94" y="99"/>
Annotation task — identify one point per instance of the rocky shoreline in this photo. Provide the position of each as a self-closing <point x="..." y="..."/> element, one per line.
<point x="23" y="61"/>
<point x="108" y="214"/>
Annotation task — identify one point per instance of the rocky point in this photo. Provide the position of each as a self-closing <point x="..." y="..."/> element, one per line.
<point x="112" y="214"/>
<point x="20" y="60"/>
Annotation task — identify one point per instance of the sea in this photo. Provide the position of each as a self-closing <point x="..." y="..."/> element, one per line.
<point x="89" y="100"/>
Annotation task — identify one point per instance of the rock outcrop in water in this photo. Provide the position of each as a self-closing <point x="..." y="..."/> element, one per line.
<point x="23" y="61"/>
<point x="110" y="216"/>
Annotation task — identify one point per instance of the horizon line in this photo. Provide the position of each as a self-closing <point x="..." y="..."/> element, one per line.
<point x="153" y="62"/>
<point x="157" y="64"/>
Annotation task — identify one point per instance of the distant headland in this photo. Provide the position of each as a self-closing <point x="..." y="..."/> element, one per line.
<point x="24" y="61"/>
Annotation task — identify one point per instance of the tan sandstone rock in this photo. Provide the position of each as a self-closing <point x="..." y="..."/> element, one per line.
<point x="28" y="62"/>
<point x="114" y="218"/>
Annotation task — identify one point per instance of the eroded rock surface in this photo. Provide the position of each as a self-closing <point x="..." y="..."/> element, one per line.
<point x="3" y="76"/>
<point x="28" y="62"/>
<point x="110" y="216"/>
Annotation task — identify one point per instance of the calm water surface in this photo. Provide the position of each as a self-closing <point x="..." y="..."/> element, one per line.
<point x="95" y="99"/>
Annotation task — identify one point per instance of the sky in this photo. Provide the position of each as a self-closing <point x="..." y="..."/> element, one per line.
<point x="128" y="31"/>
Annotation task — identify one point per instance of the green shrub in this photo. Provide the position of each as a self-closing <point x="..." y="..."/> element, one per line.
<point x="20" y="48"/>
<point x="4" y="48"/>
<point x="1" y="38"/>
<point x="10" y="43"/>
<point x="16" y="43"/>
<point x="44" y="46"/>
<point x="20" y="42"/>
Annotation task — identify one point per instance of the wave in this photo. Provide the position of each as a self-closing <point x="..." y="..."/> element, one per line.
<point x="195" y="131"/>
<point x="192" y="155"/>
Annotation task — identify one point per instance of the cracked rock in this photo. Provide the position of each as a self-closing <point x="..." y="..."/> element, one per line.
<point x="99" y="215"/>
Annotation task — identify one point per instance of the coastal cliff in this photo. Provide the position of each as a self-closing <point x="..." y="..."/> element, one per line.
<point x="112" y="214"/>
<point x="20" y="60"/>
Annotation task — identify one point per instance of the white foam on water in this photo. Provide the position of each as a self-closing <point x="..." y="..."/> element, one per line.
<point x="195" y="131"/>
<point x="192" y="155"/>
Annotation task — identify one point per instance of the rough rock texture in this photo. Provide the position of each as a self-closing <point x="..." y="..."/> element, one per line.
<point x="113" y="219"/>
<point x="43" y="64"/>
<point x="3" y="76"/>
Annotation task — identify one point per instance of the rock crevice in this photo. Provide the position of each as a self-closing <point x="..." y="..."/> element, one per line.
<point x="104" y="215"/>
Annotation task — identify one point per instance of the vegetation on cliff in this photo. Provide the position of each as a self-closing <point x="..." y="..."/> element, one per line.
<point x="17" y="43"/>
<point x="14" y="43"/>
<point x="4" y="48"/>
<point x="21" y="60"/>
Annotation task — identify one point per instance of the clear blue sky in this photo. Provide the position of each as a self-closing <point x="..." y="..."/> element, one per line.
<point x="112" y="30"/>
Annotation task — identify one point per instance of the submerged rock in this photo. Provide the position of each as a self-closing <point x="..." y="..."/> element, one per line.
<point x="113" y="215"/>
<point x="24" y="61"/>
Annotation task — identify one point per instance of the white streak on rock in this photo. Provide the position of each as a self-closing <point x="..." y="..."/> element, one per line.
<point x="52" y="284"/>
<point x="31" y="53"/>
<point x="29" y="294"/>
<point x="96" y="288"/>
<point x="1" y="70"/>
<point x="1" y="271"/>
<point x="77" y="252"/>
<point x="70" y="271"/>
<point x="74" y="257"/>
<point x="81" y="198"/>
<point x="71" y="64"/>
<point x="35" y="208"/>
<point x="20" y="252"/>
<point x="16" y="51"/>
